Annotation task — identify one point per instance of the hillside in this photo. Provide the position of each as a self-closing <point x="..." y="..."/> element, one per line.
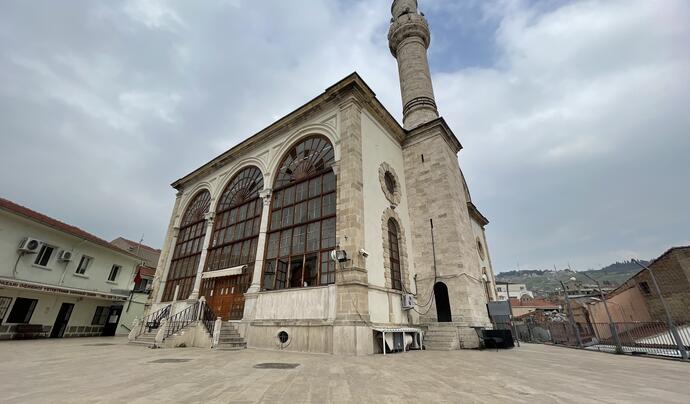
<point x="544" y="282"/>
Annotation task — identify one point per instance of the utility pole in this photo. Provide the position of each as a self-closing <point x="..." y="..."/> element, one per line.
<point x="669" y="319"/>
<point x="570" y="314"/>
<point x="513" y="330"/>
<point x="612" y="326"/>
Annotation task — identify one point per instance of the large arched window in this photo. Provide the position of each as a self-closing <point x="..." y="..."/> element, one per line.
<point x="394" y="247"/>
<point x="302" y="224"/>
<point x="237" y="222"/>
<point x="233" y="243"/>
<point x="190" y="240"/>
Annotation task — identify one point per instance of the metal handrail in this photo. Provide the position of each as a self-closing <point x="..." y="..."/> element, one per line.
<point x="153" y="320"/>
<point x="208" y="317"/>
<point x="182" y="319"/>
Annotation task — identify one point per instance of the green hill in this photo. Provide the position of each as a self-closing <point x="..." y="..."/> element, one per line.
<point x="545" y="282"/>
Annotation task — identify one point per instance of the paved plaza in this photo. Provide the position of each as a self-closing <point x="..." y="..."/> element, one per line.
<point x="105" y="370"/>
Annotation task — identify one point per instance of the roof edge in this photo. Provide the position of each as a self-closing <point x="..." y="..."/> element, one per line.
<point x="353" y="81"/>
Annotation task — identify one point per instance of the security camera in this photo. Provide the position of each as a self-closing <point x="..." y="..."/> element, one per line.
<point x="363" y="252"/>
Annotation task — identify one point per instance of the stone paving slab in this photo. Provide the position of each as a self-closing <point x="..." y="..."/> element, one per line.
<point x="77" y="370"/>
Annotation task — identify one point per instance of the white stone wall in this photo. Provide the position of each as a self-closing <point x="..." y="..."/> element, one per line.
<point x="379" y="147"/>
<point x="485" y="258"/>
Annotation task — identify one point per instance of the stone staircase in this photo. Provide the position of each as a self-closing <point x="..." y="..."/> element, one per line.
<point x="441" y="337"/>
<point x="147" y="339"/>
<point x="230" y="339"/>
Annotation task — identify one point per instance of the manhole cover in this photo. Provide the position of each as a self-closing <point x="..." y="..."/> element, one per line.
<point x="276" y="365"/>
<point x="170" y="360"/>
<point x="102" y="344"/>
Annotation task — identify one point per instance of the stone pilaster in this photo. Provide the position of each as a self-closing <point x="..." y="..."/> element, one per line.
<point x="352" y="301"/>
<point x="252" y="293"/>
<point x="166" y="254"/>
<point x="261" y="242"/>
<point x="204" y="253"/>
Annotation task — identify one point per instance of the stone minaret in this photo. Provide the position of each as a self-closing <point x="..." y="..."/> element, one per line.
<point x="408" y="39"/>
<point x="447" y="267"/>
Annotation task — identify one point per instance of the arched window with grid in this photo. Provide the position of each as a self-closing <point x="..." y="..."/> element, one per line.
<point x="187" y="252"/>
<point x="233" y="243"/>
<point x="394" y="248"/>
<point x="303" y="217"/>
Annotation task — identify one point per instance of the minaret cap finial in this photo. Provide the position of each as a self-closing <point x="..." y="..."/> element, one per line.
<point x="402" y="7"/>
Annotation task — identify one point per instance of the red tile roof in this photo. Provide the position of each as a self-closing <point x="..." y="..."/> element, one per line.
<point x="57" y="225"/>
<point x="147" y="271"/>
<point x="137" y="244"/>
<point x="537" y="302"/>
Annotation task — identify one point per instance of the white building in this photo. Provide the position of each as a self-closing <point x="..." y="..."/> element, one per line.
<point x="57" y="280"/>
<point x="516" y="290"/>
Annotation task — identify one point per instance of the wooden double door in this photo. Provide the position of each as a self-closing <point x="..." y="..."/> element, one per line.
<point x="225" y="295"/>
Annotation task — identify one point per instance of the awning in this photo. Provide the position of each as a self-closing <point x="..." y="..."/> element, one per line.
<point x="397" y="329"/>
<point x="62" y="290"/>
<point x="223" y="272"/>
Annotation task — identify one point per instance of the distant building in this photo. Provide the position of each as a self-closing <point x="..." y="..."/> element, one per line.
<point x="139" y="299"/>
<point x="577" y="288"/>
<point x="57" y="280"/>
<point x="528" y="304"/>
<point x="637" y="299"/>
<point x="516" y="290"/>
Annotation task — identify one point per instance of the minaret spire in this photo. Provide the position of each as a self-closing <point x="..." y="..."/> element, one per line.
<point x="408" y="39"/>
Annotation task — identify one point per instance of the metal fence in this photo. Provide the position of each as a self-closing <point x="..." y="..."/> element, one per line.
<point x="638" y="338"/>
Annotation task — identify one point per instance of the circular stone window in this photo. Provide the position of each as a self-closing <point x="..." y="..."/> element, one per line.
<point x="389" y="180"/>
<point x="390" y="185"/>
<point x="283" y="337"/>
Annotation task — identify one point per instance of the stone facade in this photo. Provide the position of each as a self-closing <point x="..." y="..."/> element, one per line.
<point x="368" y="143"/>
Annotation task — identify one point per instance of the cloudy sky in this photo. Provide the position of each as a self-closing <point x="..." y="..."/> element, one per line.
<point x="574" y="115"/>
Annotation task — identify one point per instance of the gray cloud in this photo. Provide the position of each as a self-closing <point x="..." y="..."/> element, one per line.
<point x="575" y="136"/>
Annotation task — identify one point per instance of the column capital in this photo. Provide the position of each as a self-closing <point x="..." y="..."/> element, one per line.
<point x="209" y="216"/>
<point x="266" y="194"/>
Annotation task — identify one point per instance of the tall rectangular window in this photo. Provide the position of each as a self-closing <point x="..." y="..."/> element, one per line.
<point x="43" y="257"/>
<point x="84" y="263"/>
<point x="22" y="310"/>
<point x="114" y="271"/>
<point x="101" y="315"/>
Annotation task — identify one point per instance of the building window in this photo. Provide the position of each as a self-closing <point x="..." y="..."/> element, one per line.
<point x="142" y="285"/>
<point x="114" y="271"/>
<point x="644" y="287"/>
<point x="303" y="216"/>
<point x="4" y="305"/>
<point x="43" y="257"/>
<point x="480" y="249"/>
<point x="394" y="247"/>
<point x="101" y="315"/>
<point x="84" y="263"/>
<point x="22" y="310"/>
<point x="237" y="223"/>
<point x="187" y="253"/>
<point x="389" y="180"/>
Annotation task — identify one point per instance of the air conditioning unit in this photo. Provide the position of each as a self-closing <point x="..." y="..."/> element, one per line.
<point x="407" y="302"/>
<point x="30" y="245"/>
<point x="65" y="256"/>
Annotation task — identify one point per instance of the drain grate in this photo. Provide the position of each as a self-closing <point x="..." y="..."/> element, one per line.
<point x="276" y="365"/>
<point x="171" y="360"/>
<point x="99" y="344"/>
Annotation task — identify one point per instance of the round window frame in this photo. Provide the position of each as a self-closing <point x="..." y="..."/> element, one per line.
<point x="395" y="196"/>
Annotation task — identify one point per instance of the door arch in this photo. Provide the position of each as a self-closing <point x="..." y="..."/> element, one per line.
<point x="443" y="313"/>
